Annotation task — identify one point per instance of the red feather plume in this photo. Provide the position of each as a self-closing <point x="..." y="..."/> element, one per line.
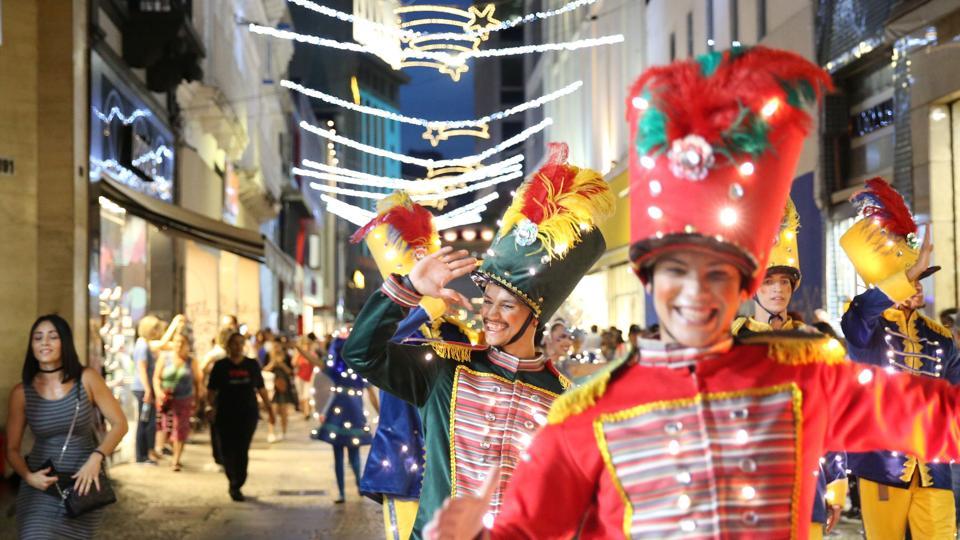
<point x="408" y="221"/>
<point x="883" y="203"/>
<point x="708" y="105"/>
<point x="560" y="177"/>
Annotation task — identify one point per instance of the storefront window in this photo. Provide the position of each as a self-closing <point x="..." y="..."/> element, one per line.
<point x="122" y="298"/>
<point x="842" y="280"/>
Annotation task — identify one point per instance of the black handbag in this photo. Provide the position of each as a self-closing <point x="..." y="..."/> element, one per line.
<point x="75" y="504"/>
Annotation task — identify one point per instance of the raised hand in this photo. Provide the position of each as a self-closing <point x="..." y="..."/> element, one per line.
<point x="432" y="273"/>
<point x="462" y="518"/>
<point x="923" y="261"/>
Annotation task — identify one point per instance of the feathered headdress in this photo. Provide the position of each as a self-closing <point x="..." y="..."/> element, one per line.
<point x="715" y="144"/>
<point x="406" y="222"/>
<point x="882" y="203"/>
<point x="558" y="204"/>
<point x="695" y="98"/>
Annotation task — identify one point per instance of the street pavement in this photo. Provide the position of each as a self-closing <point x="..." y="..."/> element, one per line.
<point x="290" y="491"/>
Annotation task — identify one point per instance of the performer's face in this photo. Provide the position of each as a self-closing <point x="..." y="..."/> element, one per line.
<point x="775" y="292"/>
<point x="503" y="315"/>
<point x="914" y="302"/>
<point x="696" y="292"/>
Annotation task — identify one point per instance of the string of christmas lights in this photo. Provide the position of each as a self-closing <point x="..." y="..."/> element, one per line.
<point x="408" y="34"/>
<point x="115" y="112"/>
<point x="446" y="58"/>
<point x="448" y="124"/>
<point x="403" y="158"/>
<point x="360" y="217"/>
<point x="418" y="197"/>
<point x="348" y="176"/>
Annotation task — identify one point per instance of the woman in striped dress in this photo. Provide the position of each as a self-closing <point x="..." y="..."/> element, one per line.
<point x="55" y="388"/>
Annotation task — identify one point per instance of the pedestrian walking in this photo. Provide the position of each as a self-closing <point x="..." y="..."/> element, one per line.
<point x="304" y="368"/>
<point x="176" y="383"/>
<point x="151" y="337"/>
<point x="218" y="352"/>
<point x="232" y="390"/>
<point x="284" y="394"/>
<point x="56" y="400"/>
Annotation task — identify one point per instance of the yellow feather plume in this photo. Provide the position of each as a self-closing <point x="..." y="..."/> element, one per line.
<point x="568" y="210"/>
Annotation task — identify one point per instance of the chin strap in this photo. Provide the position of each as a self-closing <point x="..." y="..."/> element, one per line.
<point x="771" y="316"/>
<point x="522" y="331"/>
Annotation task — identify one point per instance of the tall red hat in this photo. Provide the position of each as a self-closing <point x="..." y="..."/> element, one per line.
<point x="716" y="142"/>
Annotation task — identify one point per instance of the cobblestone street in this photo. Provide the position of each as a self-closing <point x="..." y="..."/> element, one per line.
<point x="290" y="494"/>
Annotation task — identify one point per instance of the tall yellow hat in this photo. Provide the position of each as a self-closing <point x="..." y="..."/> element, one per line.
<point x="785" y="256"/>
<point x="883" y="244"/>
<point x="401" y="234"/>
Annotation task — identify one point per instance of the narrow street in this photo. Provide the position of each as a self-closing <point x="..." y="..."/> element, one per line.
<point x="290" y="494"/>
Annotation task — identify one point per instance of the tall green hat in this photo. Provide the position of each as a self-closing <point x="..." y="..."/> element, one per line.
<point x="548" y="238"/>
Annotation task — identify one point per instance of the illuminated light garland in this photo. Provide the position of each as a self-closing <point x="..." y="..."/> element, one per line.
<point x="115" y="112"/>
<point x="443" y="171"/>
<point x="418" y="197"/>
<point x="449" y="59"/>
<point x="348" y="176"/>
<point x="160" y="186"/>
<point x="403" y="158"/>
<point x="156" y="155"/>
<point x="347" y="17"/>
<point x="434" y="135"/>
<point x="476" y="206"/>
<point x="360" y="217"/>
<point x="354" y="214"/>
<point x="449" y="124"/>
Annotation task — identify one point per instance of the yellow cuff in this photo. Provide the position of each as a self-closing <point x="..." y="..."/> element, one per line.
<point x="897" y="287"/>
<point x="837" y="492"/>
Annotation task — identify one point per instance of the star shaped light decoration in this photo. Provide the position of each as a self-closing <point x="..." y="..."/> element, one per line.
<point x="481" y="20"/>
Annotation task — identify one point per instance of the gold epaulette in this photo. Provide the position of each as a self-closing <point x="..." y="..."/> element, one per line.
<point x="459" y="352"/>
<point x="937" y="327"/>
<point x="585" y="395"/>
<point x="738" y="324"/>
<point x="794" y="348"/>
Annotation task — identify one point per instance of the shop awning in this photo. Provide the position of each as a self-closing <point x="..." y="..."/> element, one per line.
<point x="178" y="220"/>
<point x="283" y="266"/>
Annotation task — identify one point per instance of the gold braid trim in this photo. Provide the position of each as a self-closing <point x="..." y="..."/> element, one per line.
<point x="451" y="351"/>
<point x="579" y="399"/>
<point x="797" y="352"/>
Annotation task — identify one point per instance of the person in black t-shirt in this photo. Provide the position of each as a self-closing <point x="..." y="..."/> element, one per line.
<point x="234" y="384"/>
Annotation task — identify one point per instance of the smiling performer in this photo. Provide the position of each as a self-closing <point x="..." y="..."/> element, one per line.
<point x="770" y="314"/>
<point x="698" y="436"/>
<point x="481" y="409"/>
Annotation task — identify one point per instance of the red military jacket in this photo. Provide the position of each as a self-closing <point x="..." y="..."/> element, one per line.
<point x="719" y="443"/>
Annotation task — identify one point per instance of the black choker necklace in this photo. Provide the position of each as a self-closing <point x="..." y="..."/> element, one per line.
<point x="51" y="370"/>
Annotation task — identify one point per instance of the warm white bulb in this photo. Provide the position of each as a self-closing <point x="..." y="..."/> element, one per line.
<point x="728" y="217"/>
<point x="486" y="235"/>
<point x="640" y="103"/>
<point x="770" y="107"/>
<point x="655" y="212"/>
<point x="746" y="168"/>
<point x="469" y="235"/>
<point x="450" y="236"/>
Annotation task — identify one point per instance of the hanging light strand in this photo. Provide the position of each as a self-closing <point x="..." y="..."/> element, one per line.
<point x="431" y="163"/>
<point x="440" y="124"/>
<point x="336" y="174"/>
<point x="418" y="197"/>
<point x="408" y="34"/>
<point x="446" y="58"/>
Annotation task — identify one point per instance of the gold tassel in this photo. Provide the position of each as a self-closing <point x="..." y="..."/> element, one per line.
<point x="451" y="351"/>
<point x="796" y="352"/>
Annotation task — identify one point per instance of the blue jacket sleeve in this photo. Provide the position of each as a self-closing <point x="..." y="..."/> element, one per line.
<point x="862" y="318"/>
<point x="410" y="325"/>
